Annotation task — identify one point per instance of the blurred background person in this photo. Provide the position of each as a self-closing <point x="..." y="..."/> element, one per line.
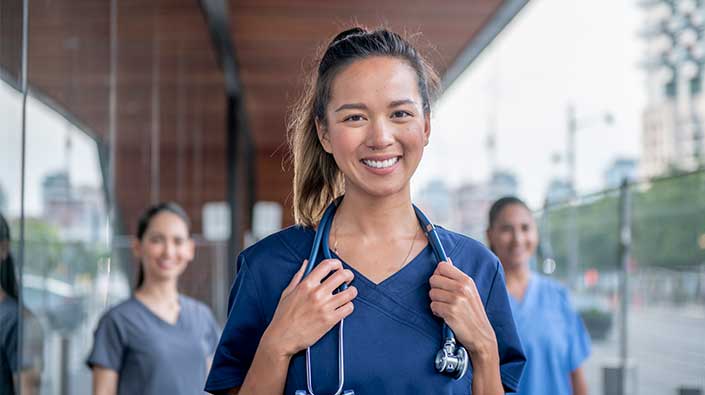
<point x="12" y="379"/>
<point x="554" y="337"/>
<point x="158" y="341"/>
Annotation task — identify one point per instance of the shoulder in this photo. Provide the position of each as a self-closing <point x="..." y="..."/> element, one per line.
<point x="289" y="245"/>
<point x="552" y="291"/>
<point x="124" y="309"/>
<point x="550" y="286"/>
<point x="195" y="307"/>
<point x="470" y="255"/>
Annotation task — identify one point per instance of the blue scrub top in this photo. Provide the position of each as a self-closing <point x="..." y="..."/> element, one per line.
<point x="391" y="338"/>
<point x="553" y="335"/>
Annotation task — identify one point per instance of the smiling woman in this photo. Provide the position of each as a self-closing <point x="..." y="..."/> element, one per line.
<point x="357" y="137"/>
<point x="158" y="341"/>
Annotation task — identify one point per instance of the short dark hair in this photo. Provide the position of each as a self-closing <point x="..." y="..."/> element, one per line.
<point x="500" y="204"/>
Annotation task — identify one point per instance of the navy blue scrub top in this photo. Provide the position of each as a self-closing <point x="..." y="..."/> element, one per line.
<point x="391" y="339"/>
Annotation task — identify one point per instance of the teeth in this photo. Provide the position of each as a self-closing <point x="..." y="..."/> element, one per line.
<point x="381" y="164"/>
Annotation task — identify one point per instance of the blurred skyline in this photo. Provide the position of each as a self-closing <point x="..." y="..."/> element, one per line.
<point x="555" y="53"/>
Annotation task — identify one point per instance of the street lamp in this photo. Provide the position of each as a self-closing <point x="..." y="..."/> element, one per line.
<point x="575" y="124"/>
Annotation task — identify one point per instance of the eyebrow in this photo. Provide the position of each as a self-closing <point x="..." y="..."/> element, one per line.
<point x="361" y="106"/>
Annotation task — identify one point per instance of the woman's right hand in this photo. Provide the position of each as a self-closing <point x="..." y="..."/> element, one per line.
<point x="308" y="309"/>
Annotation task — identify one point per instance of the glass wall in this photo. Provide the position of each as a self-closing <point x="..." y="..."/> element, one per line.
<point x="98" y="132"/>
<point x="571" y="99"/>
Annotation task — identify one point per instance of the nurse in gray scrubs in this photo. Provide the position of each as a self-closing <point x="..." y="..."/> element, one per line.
<point x="158" y="341"/>
<point x="16" y="379"/>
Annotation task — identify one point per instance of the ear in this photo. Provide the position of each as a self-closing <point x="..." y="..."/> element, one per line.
<point x="427" y="129"/>
<point x="190" y="250"/>
<point x="323" y="136"/>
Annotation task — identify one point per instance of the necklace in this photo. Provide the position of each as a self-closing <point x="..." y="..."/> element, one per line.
<point x="411" y="248"/>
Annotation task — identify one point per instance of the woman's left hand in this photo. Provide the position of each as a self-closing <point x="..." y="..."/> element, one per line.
<point x="454" y="297"/>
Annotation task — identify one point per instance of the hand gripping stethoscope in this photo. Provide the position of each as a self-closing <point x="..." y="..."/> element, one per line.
<point x="451" y="359"/>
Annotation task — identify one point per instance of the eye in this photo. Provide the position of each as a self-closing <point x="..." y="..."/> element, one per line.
<point x="156" y="239"/>
<point x="401" y="114"/>
<point x="354" y="118"/>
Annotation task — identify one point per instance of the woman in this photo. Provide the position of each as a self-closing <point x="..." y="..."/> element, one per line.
<point x="13" y="379"/>
<point x="361" y="129"/>
<point x="158" y="341"/>
<point x="553" y="335"/>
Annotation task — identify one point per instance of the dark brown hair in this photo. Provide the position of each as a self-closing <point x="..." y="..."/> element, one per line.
<point x="8" y="281"/>
<point x="317" y="179"/>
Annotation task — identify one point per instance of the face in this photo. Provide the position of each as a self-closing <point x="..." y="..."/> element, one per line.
<point x="375" y="126"/>
<point x="165" y="249"/>
<point x="513" y="236"/>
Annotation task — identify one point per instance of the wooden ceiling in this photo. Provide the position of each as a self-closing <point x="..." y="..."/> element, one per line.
<point x="161" y="90"/>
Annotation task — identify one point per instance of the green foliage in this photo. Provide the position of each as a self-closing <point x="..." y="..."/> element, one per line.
<point x="668" y="216"/>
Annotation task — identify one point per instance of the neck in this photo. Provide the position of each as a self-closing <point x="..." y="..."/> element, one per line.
<point x="3" y="295"/>
<point x="164" y="291"/>
<point x="373" y="217"/>
<point x="517" y="278"/>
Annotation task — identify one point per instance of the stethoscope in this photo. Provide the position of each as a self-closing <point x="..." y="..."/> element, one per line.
<point x="451" y="359"/>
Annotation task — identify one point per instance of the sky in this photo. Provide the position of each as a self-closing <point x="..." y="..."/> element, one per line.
<point x="46" y="136"/>
<point x="553" y="54"/>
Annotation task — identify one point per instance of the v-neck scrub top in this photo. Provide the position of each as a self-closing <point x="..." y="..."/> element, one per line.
<point x="391" y="338"/>
<point x="152" y="356"/>
<point x="553" y="335"/>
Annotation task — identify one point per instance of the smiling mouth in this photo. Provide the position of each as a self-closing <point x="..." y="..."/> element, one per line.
<point x="381" y="164"/>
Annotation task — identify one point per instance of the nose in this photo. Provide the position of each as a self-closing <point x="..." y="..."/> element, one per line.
<point x="169" y="249"/>
<point x="380" y="135"/>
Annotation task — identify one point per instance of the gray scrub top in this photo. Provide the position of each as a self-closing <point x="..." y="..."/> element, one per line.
<point x="8" y="344"/>
<point x="153" y="356"/>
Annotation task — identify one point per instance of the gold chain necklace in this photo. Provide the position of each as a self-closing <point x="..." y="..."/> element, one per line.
<point x="411" y="248"/>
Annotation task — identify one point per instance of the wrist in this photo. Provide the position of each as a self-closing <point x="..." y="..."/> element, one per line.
<point x="485" y="355"/>
<point x="274" y="348"/>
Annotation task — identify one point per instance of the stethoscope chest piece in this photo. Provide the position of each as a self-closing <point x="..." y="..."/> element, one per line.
<point x="452" y="360"/>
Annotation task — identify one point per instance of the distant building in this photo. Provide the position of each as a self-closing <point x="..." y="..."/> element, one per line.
<point x="464" y="209"/>
<point x="620" y="170"/>
<point x="559" y="191"/>
<point x="78" y="212"/>
<point x="435" y="200"/>
<point x="674" y="61"/>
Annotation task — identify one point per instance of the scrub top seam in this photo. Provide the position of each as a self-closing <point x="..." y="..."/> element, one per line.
<point x="260" y="310"/>
<point x="290" y="248"/>
<point x="397" y="319"/>
<point x="494" y="281"/>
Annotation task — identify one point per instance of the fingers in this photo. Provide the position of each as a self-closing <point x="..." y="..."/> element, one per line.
<point x="446" y="278"/>
<point x="336" y="280"/>
<point x="447" y="269"/>
<point x="443" y="296"/>
<point x="341" y="298"/>
<point x="322" y="270"/>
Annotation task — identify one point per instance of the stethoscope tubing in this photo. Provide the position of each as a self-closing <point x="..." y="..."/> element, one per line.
<point x="320" y="241"/>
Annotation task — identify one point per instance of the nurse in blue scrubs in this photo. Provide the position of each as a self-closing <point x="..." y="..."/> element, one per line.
<point x="552" y="333"/>
<point x="359" y="132"/>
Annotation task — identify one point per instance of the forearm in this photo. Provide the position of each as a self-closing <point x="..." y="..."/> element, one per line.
<point x="267" y="374"/>
<point x="486" y="378"/>
<point x="577" y="380"/>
